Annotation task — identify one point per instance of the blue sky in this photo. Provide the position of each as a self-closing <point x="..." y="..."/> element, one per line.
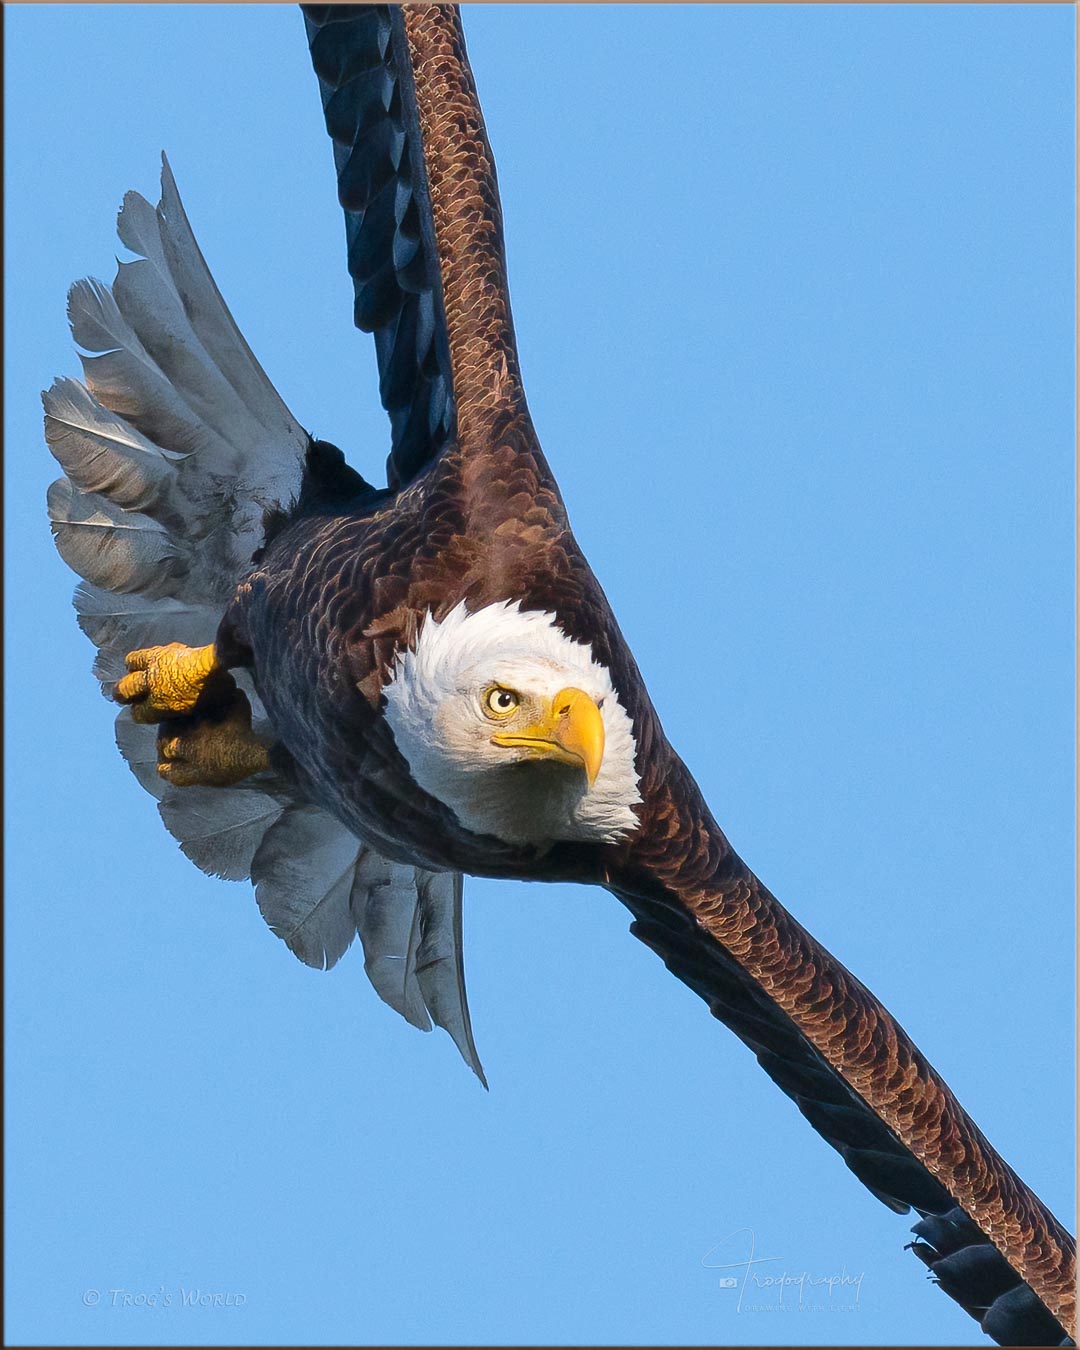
<point x="793" y="295"/>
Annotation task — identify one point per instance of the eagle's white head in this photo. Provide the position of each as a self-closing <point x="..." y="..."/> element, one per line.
<point x="515" y="727"/>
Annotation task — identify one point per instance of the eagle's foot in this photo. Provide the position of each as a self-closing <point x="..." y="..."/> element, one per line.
<point x="174" y="681"/>
<point x="206" y="738"/>
<point x="211" y="750"/>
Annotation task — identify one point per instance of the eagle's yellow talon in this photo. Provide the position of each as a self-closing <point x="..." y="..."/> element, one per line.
<point x="208" y="741"/>
<point x="212" y="752"/>
<point x="173" y="681"/>
<point x="131" y="687"/>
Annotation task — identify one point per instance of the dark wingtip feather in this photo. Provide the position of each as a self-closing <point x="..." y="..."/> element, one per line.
<point x="360" y="57"/>
<point x="971" y="1270"/>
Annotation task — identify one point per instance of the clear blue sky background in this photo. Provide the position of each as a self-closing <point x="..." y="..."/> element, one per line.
<point x="793" y="288"/>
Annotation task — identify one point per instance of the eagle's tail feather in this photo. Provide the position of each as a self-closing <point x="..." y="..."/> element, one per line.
<point x="117" y="624"/>
<point x="176" y="452"/>
<point x="177" y="446"/>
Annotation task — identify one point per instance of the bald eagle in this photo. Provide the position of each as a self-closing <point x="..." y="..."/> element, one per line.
<point x="356" y="694"/>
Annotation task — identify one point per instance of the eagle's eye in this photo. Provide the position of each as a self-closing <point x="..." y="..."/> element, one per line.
<point x="499" y="702"/>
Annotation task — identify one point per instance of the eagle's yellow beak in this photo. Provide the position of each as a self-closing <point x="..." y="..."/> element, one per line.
<point x="570" y="731"/>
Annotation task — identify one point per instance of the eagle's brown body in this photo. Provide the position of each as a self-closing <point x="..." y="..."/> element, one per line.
<point x="347" y="581"/>
<point x="335" y="597"/>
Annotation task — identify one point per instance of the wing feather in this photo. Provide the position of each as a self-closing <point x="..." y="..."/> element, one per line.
<point x="360" y="56"/>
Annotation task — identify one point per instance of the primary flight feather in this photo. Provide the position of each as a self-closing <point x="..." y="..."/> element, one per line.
<point x="354" y="694"/>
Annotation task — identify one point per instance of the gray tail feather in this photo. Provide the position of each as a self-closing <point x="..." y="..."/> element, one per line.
<point x="174" y="412"/>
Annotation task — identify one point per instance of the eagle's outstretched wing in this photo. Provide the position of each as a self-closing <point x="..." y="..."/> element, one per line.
<point x="429" y="275"/>
<point x="417" y="181"/>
